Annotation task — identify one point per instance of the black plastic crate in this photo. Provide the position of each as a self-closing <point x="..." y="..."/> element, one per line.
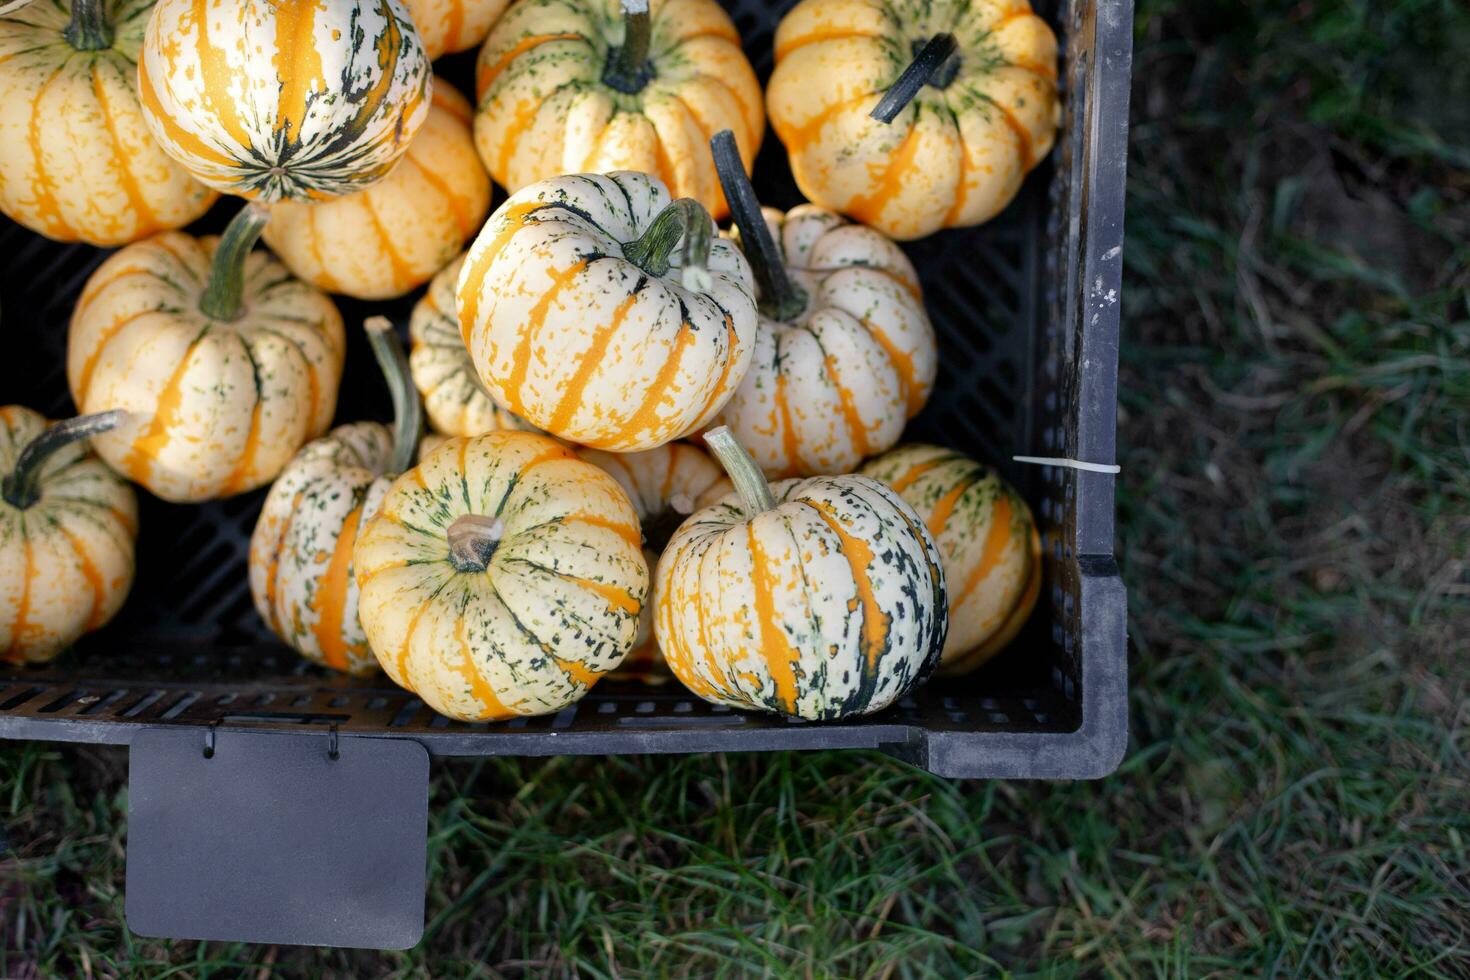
<point x="1026" y="308"/>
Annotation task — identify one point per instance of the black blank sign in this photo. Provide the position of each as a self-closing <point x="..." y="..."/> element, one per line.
<point x="270" y="840"/>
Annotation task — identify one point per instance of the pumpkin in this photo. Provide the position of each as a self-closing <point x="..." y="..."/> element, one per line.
<point x="502" y="576"/>
<point x="844" y="354"/>
<point x="570" y="86"/>
<point x="67" y="524"/>
<point x="455" y="401"/>
<point x="383" y="241"/>
<point x="986" y="537"/>
<point x="665" y="485"/>
<point x="284" y="99"/>
<point x="76" y="160"/>
<point x="227" y="363"/>
<point x="820" y="598"/>
<point x="582" y="320"/>
<point x="970" y="90"/>
<point x="447" y="26"/>
<point x="301" y="550"/>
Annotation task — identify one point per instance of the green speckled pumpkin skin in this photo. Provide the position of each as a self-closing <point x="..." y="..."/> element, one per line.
<point x="985" y="531"/>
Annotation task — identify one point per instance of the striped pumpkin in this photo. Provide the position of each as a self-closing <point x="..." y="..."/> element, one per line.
<point x="501" y="577"/>
<point x="284" y="99"/>
<point x="222" y="391"/>
<point x="447" y="26"/>
<point x="953" y="156"/>
<point x="67" y="525"/>
<point x="301" y="549"/>
<point x="988" y="541"/>
<point x="76" y="161"/>
<point x="835" y="378"/>
<point x="573" y="86"/>
<point x="665" y="486"/>
<point x="820" y="598"/>
<point x="582" y="320"/>
<point x="455" y="401"/>
<point x="389" y="239"/>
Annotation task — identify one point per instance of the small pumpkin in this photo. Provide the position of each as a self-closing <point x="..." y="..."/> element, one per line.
<point x="572" y="86"/>
<point x="501" y="577"/>
<point x="301" y="549"/>
<point x="988" y="541"/>
<point x="455" y="401"/>
<point x="226" y="363"/>
<point x="76" y="161"/>
<point x="582" y="319"/>
<point x="390" y="238"/>
<point x="969" y="90"/>
<point x="844" y="354"/>
<point x="665" y="486"/>
<point x="284" y="99"/>
<point x="448" y="26"/>
<point x="820" y="598"/>
<point x="67" y="525"/>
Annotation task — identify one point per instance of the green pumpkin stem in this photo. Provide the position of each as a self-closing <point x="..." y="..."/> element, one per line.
<point x="628" y="67"/>
<point x="750" y="482"/>
<point x="222" y="294"/>
<point x="89" y="29"/>
<point x="928" y="66"/>
<point x="21" y="487"/>
<point x="683" y="220"/>
<point x="472" y="540"/>
<point x="781" y="299"/>
<point x="408" y="413"/>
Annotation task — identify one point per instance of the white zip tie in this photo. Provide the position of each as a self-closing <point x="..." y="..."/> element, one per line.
<point x="1071" y="464"/>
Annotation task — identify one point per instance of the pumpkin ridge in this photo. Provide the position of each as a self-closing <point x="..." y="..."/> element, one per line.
<point x="329" y="601"/>
<point x="535" y="319"/>
<point x="876" y="623"/>
<point x="20" y="628"/>
<point x="616" y="596"/>
<point x="84" y="376"/>
<point x="487" y="76"/>
<point x="89" y="572"/>
<point x="774" y="643"/>
<point x="214" y="70"/>
<point x="480" y="687"/>
<point x="1023" y="138"/>
<point x="944" y="506"/>
<point x="903" y="363"/>
<point x="245" y="461"/>
<point x="148" y="220"/>
<point x="996" y="538"/>
<point x="296" y="24"/>
<point x="48" y="209"/>
<point x="592" y="359"/>
<point x="274" y="566"/>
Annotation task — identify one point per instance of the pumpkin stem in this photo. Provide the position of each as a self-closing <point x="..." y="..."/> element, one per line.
<point x="221" y="299"/>
<point x="408" y="413"/>
<point x="749" y="481"/>
<point x="781" y="299"/>
<point x="928" y="65"/>
<point x="21" y="487"/>
<point x="472" y="540"/>
<point x="628" y="67"/>
<point x="89" y="29"/>
<point x="683" y="220"/>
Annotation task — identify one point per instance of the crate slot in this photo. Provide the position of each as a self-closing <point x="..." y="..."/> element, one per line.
<point x="178" y="706"/>
<point x="144" y="703"/>
<point x="16" y="700"/>
<point x="102" y="704"/>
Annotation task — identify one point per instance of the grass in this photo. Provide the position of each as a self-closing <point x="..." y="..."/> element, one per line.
<point x="1296" y="367"/>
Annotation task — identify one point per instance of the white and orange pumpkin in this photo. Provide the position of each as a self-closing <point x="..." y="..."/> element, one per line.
<point x="845" y="353"/>
<point x="67" y="525"/>
<point x="390" y="238"/>
<point x="971" y="89"/>
<point x="284" y="99"/>
<point x="454" y="400"/>
<point x="301" y="549"/>
<point x="820" y="598"/>
<point x="225" y="363"/>
<point x="665" y="486"/>
<point x="447" y="26"/>
<point x="987" y="538"/>
<point x="77" y="162"/>
<point x="603" y="313"/>
<point x="589" y="86"/>
<point x="502" y="576"/>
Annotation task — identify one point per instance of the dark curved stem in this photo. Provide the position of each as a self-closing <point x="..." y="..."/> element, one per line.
<point x="929" y="60"/>
<point x="221" y="299"/>
<point x="408" y="413"/>
<point x="628" y="68"/>
<point x="22" y="486"/>
<point x="750" y="482"/>
<point x="89" y="29"/>
<point x="781" y="298"/>
<point x="683" y="220"/>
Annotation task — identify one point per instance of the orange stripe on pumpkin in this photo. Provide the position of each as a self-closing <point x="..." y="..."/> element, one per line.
<point x="867" y="207"/>
<point x="491" y="707"/>
<point x="646" y="418"/>
<point x="156" y="434"/>
<point x="513" y="220"/>
<point x="859" y="555"/>
<point x="273" y="569"/>
<point x="856" y="430"/>
<point x="911" y="474"/>
<point x="945" y="505"/>
<point x="996" y="540"/>
<point x="47" y="208"/>
<point x="91" y="574"/>
<point x="486" y="76"/>
<point x="903" y="363"/>
<point x="216" y="77"/>
<point x="780" y="656"/>
<point x="632" y="535"/>
<point x="84" y="376"/>
<point x="521" y="360"/>
<point x="298" y="64"/>
<point x="330" y="600"/>
<point x="594" y="357"/>
<point x="126" y="182"/>
<point x="814" y="36"/>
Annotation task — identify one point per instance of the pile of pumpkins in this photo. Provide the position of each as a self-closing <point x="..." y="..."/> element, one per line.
<point x="612" y="381"/>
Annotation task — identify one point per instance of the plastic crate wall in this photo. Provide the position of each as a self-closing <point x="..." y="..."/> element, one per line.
<point x="1026" y="312"/>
